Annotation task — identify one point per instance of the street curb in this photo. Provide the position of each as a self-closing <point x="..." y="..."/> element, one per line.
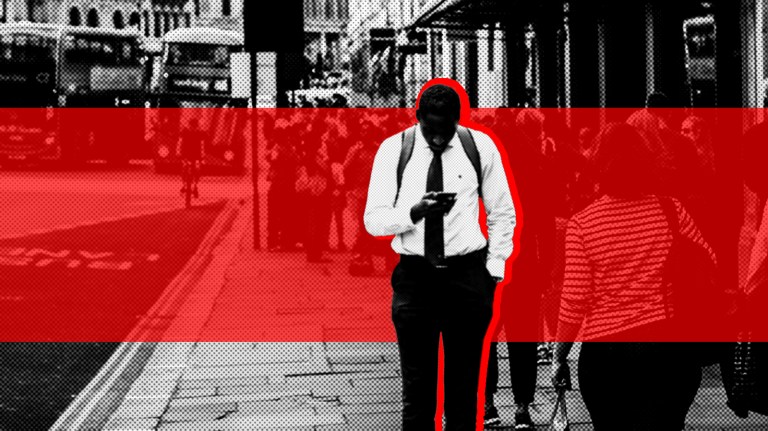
<point x="92" y="408"/>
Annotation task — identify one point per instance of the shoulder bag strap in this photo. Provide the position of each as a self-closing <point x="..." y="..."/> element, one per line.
<point x="470" y="147"/>
<point x="409" y="140"/>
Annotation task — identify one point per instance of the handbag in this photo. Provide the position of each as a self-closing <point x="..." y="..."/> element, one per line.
<point x="559" y="420"/>
<point x="698" y="300"/>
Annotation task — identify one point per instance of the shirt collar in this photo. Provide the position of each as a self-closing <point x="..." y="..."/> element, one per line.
<point x="422" y="141"/>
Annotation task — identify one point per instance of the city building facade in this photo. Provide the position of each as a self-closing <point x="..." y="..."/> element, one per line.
<point x="564" y="53"/>
<point x="223" y="14"/>
<point x="325" y="23"/>
<point x="153" y="17"/>
<point x="472" y="56"/>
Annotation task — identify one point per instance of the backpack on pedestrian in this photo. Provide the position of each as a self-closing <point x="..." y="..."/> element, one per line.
<point x="467" y="142"/>
<point x="362" y="266"/>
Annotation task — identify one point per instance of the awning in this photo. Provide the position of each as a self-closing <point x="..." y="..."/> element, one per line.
<point x="463" y="14"/>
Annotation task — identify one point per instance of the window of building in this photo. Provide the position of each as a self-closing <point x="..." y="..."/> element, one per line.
<point x="197" y="7"/>
<point x="175" y="20"/>
<point x="311" y="8"/>
<point x="93" y="18"/>
<point x="35" y="11"/>
<point x="117" y="20"/>
<point x="147" y="27"/>
<point x="187" y="20"/>
<point x="329" y="9"/>
<point x="158" y="24"/>
<point x="491" y="48"/>
<point x="166" y="22"/>
<point x="74" y="17"/>
<point x="134" y="20"/>
<point x="226" y="7"/>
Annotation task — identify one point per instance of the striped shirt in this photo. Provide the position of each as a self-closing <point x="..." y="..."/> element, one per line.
<point x="615" y="251"/>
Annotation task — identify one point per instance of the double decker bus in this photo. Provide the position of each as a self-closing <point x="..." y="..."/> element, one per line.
<point x="196" y="79"/>
<point x="45" y="66"/>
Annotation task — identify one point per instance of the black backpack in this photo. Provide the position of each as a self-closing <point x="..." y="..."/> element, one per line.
<point x="467" y="141"/>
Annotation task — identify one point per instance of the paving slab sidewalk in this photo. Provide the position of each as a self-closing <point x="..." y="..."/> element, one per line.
<point x="310" y="386"/>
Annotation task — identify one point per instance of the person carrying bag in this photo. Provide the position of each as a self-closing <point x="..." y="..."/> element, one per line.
<point x="746" y="373"/>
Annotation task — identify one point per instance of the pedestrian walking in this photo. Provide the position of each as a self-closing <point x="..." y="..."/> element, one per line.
<point x="521" y="301"/>
<point x="746" y="375"/>
<point x="445" y="282"/>
<point x="314" y="182"/>
<point x="282" y="158"/>
<point x="614" y="291"/>
<point x="357" y="167"/>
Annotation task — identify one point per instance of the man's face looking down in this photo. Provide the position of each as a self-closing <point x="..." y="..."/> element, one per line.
<point x="438" y="128"/>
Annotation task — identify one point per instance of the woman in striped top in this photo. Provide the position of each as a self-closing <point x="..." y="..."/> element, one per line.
<point x="612" y="291"/>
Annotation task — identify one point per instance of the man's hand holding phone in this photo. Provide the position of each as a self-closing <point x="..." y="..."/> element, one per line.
<point x="431" y="203"/>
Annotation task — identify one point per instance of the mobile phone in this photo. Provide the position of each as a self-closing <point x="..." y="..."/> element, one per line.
<point x="444" y="197"/>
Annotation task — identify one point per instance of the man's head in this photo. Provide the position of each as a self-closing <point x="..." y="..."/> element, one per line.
<point x="657" y="101"/>
<point x="692" y="128"/>
<point x="438" y="114"/>
<point x="530" y="122"/>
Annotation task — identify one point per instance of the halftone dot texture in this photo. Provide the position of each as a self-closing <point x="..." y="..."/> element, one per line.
<point x="552" y="54"/>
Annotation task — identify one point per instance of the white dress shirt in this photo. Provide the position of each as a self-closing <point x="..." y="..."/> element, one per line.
<point x="463" y="234"/>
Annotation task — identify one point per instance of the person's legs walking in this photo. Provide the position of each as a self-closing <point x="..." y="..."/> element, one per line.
<point x="313" y="236"/>
<point x="414" y="315"/>
<point x="672" y="379"/>
<point x="491" y="416"/>
<point x="605" y="386"/>
<point x="521" y="314"/>
<point x="468" y="293"/>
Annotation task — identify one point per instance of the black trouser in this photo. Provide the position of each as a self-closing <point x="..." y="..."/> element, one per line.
<point x="457" y="303"/>
<point x="638" y="386"/>
<point x="521" y="304"/>
<point x="318" y="222"/>
<point x="280" y="197"/>
<point x="523" y="371"/>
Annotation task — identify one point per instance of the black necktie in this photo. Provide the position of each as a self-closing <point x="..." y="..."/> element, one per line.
<point x="434" y="247"/>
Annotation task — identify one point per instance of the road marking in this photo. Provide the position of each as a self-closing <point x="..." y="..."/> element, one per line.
<point x="88" y="223"/>
<point x="73" y="259"/>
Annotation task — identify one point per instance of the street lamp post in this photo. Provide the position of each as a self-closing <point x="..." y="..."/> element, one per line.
<point x="277" y="29"/>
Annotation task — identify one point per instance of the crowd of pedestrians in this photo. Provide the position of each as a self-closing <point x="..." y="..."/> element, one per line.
<point x="587" y="187"/>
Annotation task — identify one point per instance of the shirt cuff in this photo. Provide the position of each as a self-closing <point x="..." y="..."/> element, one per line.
<point x="403" y="219"/>
<point x="496" y="267"/>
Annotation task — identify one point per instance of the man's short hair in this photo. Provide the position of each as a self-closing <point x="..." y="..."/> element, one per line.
<point x="441" y="100"/>
<point x="657" y="100"/>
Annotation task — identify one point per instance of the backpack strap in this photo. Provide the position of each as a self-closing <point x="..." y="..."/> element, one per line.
<point x="470" y="147"/>
<point x="670" y="213"/>
<point x="467" y="141"/>
<point x="409" y="140"/>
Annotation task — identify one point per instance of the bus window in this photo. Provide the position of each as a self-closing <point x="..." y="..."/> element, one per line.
<point x="26" y="49"/>
<point x="220" y="56"/>
<point x="198" y="54"/>
<point x="103" y="51"/>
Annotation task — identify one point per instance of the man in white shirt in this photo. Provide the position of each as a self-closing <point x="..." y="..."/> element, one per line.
<point x="448" y="271"/>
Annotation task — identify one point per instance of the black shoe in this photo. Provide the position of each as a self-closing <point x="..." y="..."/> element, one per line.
<point x="491" y="416"/>
<point x="523" y="421"/>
